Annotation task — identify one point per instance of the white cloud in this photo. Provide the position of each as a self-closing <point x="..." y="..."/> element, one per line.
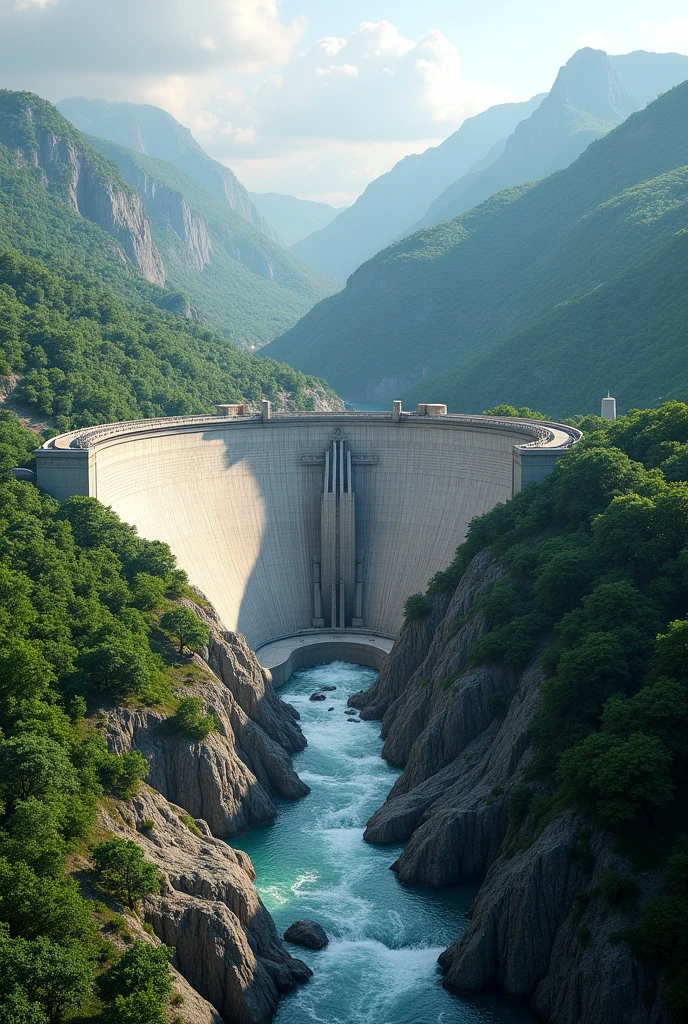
<point x="659" y="36"/>
<point x="324" y="121"/>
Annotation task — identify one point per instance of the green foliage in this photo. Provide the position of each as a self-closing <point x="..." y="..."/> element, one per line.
<point x="523" y="413"/>
<point x="190" y="720"/>
<point x="619" y="891"/>
<point x="137" y="985"/>
<point x="416" y="607"/>
<point x="541" y="293"/>
<point x="43" y="973"/>
<point x="186" y="628"/>
<point x="123" y="871"/>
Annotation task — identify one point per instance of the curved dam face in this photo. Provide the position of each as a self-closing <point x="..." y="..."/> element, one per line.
<point x="305" y="521"/>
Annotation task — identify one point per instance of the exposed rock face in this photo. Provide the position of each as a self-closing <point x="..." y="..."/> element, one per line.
<point x="118" y="211"/>
<point x="307" y="933"/>
<point x="226" y="944"/>
<point x="229" y="778"/>
<point x="462" y="735"/>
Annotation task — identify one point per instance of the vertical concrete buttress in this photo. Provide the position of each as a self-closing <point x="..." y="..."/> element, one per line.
<point x="338" y="537"/>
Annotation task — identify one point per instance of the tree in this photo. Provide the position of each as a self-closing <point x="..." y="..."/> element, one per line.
<point x="34" y="905"/>
<point x="416" y="607"/>
<point x="186" y="628"/>
<point x="56" y="977"/>
<point x="148" y="591"/>
<point x="620" y="777"/>
<point x="124" y="871"/>
<point x="138" y="1008"/>
<point x="124" y="772"/>
<point x="31" y="764"/>
<point x="120" y="663"/>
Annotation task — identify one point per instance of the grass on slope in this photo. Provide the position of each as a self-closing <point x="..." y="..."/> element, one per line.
<point x="252" y="289"/>
<point x="448" y="296"/>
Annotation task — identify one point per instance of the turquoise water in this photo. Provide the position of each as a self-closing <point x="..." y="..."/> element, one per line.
<point x="380" y="966"/>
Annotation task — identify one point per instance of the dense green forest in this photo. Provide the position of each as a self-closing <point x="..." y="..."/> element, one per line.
<point x="82" y="604"/>
<point x="87" y="356"/>
<point x="596" y="572"/>
<point x="250" y="288"/>
<point x="540" y="285"/>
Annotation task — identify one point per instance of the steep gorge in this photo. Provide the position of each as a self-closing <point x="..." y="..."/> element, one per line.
<point x="462" y="736"/>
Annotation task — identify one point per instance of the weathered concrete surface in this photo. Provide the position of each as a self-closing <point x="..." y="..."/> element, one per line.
<point x="241" y="508"/>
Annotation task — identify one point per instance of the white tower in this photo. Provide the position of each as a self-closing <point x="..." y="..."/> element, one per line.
<point x="608" y="408"/>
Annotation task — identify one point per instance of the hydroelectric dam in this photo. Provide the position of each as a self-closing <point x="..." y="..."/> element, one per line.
<point x="306" y="531"/>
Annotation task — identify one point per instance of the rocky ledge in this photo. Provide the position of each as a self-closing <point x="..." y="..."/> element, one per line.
<point x="462" y="738"/>
<point x="227" y="947"/>
<point x="230" y="778"/>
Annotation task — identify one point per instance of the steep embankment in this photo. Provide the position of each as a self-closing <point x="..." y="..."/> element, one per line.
<point x="152" y="131"/>
<point x="537" y="702"/>
<point x="460" y="293"/>
<point x="244" y="283"/>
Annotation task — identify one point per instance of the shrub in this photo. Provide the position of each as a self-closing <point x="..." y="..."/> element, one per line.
<point x="619" y="891"/>
<point x="190" y="720"/>
<point x="416" y="607"/>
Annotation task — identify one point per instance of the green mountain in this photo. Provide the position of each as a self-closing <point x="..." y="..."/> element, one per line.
<point x="87" y="331"/>
<point x="397" y="199"/>
<point x="587" y="100"/>
<point x="454" y="297"/>
<point x="153" y="132"/>
<point x="245" y="284"/>
<point x="293" y="218"/>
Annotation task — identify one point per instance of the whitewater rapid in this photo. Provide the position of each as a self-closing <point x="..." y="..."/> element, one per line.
<point x="380" y="966"/>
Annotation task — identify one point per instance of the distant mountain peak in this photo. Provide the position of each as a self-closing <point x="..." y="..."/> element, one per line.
<point x="589" y="82"/>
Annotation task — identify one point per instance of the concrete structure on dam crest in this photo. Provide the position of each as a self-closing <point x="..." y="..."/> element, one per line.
<point x="319" y="524"/>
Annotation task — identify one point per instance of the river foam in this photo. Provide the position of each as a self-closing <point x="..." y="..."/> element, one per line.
<point x="380" y="966"/>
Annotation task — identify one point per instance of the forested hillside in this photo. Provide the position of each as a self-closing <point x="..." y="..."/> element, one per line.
<point x="89" y="337"/>
<point x="458" y="294"/>
<point x="81" y="597"/>
<point x="241" y="282"/>
<point x="595" y="567"/>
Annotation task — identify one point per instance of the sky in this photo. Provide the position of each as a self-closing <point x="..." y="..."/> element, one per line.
<point x="315" y="98"/>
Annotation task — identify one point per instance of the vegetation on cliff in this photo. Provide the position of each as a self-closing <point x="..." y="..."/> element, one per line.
<point x="596" y="562"/>
<point x="72" y="634"/>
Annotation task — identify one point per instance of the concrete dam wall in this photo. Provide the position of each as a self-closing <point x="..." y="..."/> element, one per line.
<point x="305" y="521"/>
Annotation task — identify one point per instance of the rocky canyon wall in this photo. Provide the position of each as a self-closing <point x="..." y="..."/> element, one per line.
<point x="539" y="931"/>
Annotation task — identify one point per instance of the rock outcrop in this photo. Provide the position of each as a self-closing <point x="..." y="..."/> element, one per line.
<point x="228" y="779"/>
<point x="78" y="176"/>
<point x="309" y="934"/>
<point x="462" y="736"/>
<point x="226" y="943"/>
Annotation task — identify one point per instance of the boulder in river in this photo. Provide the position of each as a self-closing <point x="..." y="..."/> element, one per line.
<point x="328" y="689"/>
<point x="307" y="933"/>
<point x="317" y="696"/>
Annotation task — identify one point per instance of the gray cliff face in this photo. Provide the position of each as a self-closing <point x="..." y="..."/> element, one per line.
<point x="229" y="779"/>
<point x="462" y="736"/>
<point x="227" y="947"/>
<point x="120" y="213"/>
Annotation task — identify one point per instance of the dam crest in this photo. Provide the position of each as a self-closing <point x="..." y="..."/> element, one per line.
<point x="310" y="526"/>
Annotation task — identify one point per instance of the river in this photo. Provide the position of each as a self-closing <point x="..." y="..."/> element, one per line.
<point x="380" y="966"/>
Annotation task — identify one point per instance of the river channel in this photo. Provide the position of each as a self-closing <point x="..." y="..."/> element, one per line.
<point x="380" y="966"/>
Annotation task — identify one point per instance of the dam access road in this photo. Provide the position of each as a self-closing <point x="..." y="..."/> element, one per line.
<point x="310" y="526"/>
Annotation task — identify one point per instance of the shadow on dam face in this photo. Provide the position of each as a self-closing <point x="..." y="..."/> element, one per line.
<point x="263" y="513"/>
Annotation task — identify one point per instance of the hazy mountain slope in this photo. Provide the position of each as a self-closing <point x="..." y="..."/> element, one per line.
<point x="293" y="218"/>
<point x="397" y="199"/>
<point x="647" y="75"/>
<point x="152" y="131"/>
<point x="84" y="336"/>
<point x="243" y="283"/>
<point x="628" y="336"/>
<point x="587" y="100"/>
<point x="450" y="295"/>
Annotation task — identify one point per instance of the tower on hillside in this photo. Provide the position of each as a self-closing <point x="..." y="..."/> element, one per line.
<point x="608" y="408"/>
